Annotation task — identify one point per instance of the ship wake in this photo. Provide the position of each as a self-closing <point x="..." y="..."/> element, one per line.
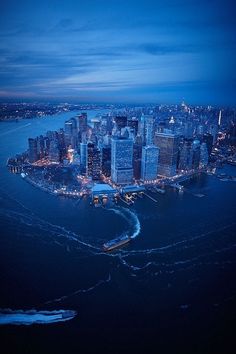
<point x="30" y="317"/>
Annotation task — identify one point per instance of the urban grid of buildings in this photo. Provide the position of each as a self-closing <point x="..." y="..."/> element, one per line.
<point x="138" y="145"/>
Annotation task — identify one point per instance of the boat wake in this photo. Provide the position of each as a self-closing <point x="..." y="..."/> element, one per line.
<point x="80" y="291"/>
<point x="30" y="317"/>
<point x="131" y="218"/>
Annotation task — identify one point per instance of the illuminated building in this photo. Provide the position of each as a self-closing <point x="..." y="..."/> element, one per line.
<point x="121" y="160"/>
<point x="83" y="158"/>
<point x="203" y="155"/>
<point x="168" y="145"/>
<point x="149" y="163"/>
<point x="93" y="161"/>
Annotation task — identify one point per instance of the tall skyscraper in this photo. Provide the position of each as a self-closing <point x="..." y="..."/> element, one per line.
<point x="186" y="155"/>
<point x="149" y="162"/>
<point x="68" y="132"/>
<point x="54" y="153"/>
<point x="83" y="158"/>
<point x="137" y="156"/>
<point x="106" y="160"/>
<point x="208" y="139"/>
<point x="121" y="160"/>
<point x="196" y="153"/>
<point x="33" y="151"/>
<point x="168" y="145"/>
<point x="82" y="123"/>
<point x="93" y="161"/>
<point x="203" y="155"/>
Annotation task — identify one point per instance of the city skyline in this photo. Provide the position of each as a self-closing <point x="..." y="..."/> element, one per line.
<point x="102" y="51"/>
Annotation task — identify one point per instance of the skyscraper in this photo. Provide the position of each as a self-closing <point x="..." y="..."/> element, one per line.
<point x="106" y="160"/>
<point x="196" y="153"/>
<point x="186" y="155"/>
<point x="168" y="145"/>
<point x="33" y="151"/>
<point x="121" y="160"/>
<point x="93" y="161"/>
<point x="149" y="163"/>
<point x="137" y="156"/>
<point x="121" y="122"/>
<point x="83" y="158"/>
<point x="54" y="153"/>
<point x="203" y="155"/>
<point x="82" y="122"/>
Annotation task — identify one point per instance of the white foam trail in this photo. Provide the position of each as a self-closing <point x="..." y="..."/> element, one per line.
<point x="29" y="317"/>
<point x="13" y="130"/>
<point x="134" y="221"/>
<point x="91" y="288"/>
<point x="44" y="225"/>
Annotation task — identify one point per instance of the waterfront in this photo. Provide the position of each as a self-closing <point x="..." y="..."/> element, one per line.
<point x="170" y="285"/>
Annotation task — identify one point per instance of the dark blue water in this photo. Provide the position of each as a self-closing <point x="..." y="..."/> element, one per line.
<point x="172" y="290"/>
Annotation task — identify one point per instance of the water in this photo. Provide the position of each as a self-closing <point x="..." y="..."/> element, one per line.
<point x="171" y="290"/>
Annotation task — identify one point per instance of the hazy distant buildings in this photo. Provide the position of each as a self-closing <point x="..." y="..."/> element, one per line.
<point x="149" y="163"/>
<point x="121" y="160"/>
<point x="168" y="145"/>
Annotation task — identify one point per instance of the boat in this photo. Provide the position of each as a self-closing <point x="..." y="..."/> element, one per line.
<point x="116" y="242"/>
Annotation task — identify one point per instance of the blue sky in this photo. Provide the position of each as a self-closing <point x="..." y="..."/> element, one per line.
<point x="119" y="51"/>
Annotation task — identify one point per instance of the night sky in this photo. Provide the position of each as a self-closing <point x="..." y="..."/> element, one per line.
<point x="119" y="51"/>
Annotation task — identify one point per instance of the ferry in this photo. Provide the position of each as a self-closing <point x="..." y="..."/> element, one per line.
<point x="115" y="243"/>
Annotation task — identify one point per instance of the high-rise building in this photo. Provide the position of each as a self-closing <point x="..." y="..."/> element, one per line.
<point x="147" y="128"/>
<point x="121" y="160"/>
<point x="68" y="132"/>
<point x="133" y="123"/>
<point x="168" y="145"/>
<point x="82" y="122"/>
<point x="208" y="139"/>
<point x="196" y="153"/>
<point x="106" y="160"/>
<point x="54" y="153"/>
<point x="121" y="122"/>
<point x="137" y="156"/>
<point x="213" y="130"/>
<point x="149" y="163"/>
<point x="93" y="161"/>
<point x="33" y="150"/>
<point x="203" y="155"/>
<point x="83" y="158"/>
<point x="186" y="155"/>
